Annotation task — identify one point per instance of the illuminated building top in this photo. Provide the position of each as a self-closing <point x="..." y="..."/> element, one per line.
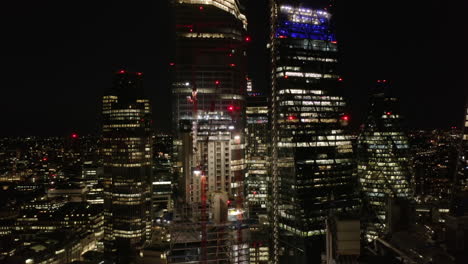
<point x="305" y="23"/>
<point x="230" y="6"/>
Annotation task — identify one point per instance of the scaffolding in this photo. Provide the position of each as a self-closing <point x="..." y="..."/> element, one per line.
<point x="194" y="240"/>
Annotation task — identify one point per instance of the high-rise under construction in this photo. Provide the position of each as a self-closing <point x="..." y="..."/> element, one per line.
<point x="208" y="108"/>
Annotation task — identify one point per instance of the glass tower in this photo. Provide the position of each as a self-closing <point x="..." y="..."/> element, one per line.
<point x="209" y="80"/>
<point x="127" y="156"/>
<point x="312" y="168"/>
<point x="257" y="183"/>
<point x="384" y="168"/>
<point x="257" y="156"/>
<point x="210" y="58"/>
<point x="208" y="115"/>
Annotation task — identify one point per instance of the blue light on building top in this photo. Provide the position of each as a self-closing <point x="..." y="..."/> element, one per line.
<point x="304" y="23"/>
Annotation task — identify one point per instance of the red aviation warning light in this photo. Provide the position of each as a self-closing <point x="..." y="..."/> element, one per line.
<point x="231" y="108"/>
<point x="200" y="8"/>
<point x="291" y="117"/>
<point x="139" y="73"/>
<point x="247" y="39"/>
<point x="121" y="71"/>
<point x="388" y="113"/>
<point x="217" y="82"/>
<point x="340" y="79"/>
<point x="74" y="135"/>
<point x="344" y="120"/>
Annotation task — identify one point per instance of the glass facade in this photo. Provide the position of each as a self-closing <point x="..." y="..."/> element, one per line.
<point x="313" y="166"/>
<point x="209" y="82"/>
<point x="257" y="156"/>
<point x="127" y="156"/>
<point x="210" y="58"/>
<point x="384" y="160"/>
<point x="208" y="117"/>
<point x="258" y="179"/>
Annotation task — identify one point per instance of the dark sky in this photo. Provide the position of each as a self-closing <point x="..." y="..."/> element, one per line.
<point x="58" y="57"/>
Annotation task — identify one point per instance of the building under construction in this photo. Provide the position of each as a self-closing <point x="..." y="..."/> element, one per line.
<point x="208" y="103"/>
<point x="214" y="239"/>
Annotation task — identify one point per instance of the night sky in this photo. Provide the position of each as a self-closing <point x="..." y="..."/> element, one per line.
<point x="59" y="57"/>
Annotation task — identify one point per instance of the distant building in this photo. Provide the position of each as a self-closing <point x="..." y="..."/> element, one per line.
<point x="127" y="155"/>
<point x="60" y="246"/>
<point x="384" y="162"/>
<point x="257" y="183"/>
<point x="461" y="183"/>
<point x="435" y="154"/>
<point x="69" y="191"/>
<point x="257" y="156"/>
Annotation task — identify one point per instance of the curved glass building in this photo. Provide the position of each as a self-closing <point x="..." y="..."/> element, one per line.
<point x="384" y="162"/>
<point x="210" y="58"/>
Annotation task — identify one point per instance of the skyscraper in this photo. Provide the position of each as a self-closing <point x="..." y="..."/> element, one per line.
<point x="384" y="168"/>
<point x="127" y="156"/>
<point x="257" y="156"/>
<point x="208" y="114"/>
<point x="257" y="182"/>
<point x="312" y="167"/>
<point x="209" y="89"/>
<point x="210" y="58"/>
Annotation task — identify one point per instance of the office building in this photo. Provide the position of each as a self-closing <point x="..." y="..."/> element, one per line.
<point x="127" y="161"/>
<point x="312" y="157"/>
<point x="384" y="161"/>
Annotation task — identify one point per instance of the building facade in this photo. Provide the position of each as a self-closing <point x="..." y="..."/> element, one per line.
<point x="257" y="157"/>
<point x="210" y="58"/>
<point x="127" y="160"/>
<point x="258" y="179"/>
<point x="208" y="112"/>
<point x="384" y="161"/>
<point x="312" y="167"/>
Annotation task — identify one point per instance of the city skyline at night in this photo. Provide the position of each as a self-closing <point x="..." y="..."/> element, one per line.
<point x="234" y="132"/>
<point x="415" y="47"/>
